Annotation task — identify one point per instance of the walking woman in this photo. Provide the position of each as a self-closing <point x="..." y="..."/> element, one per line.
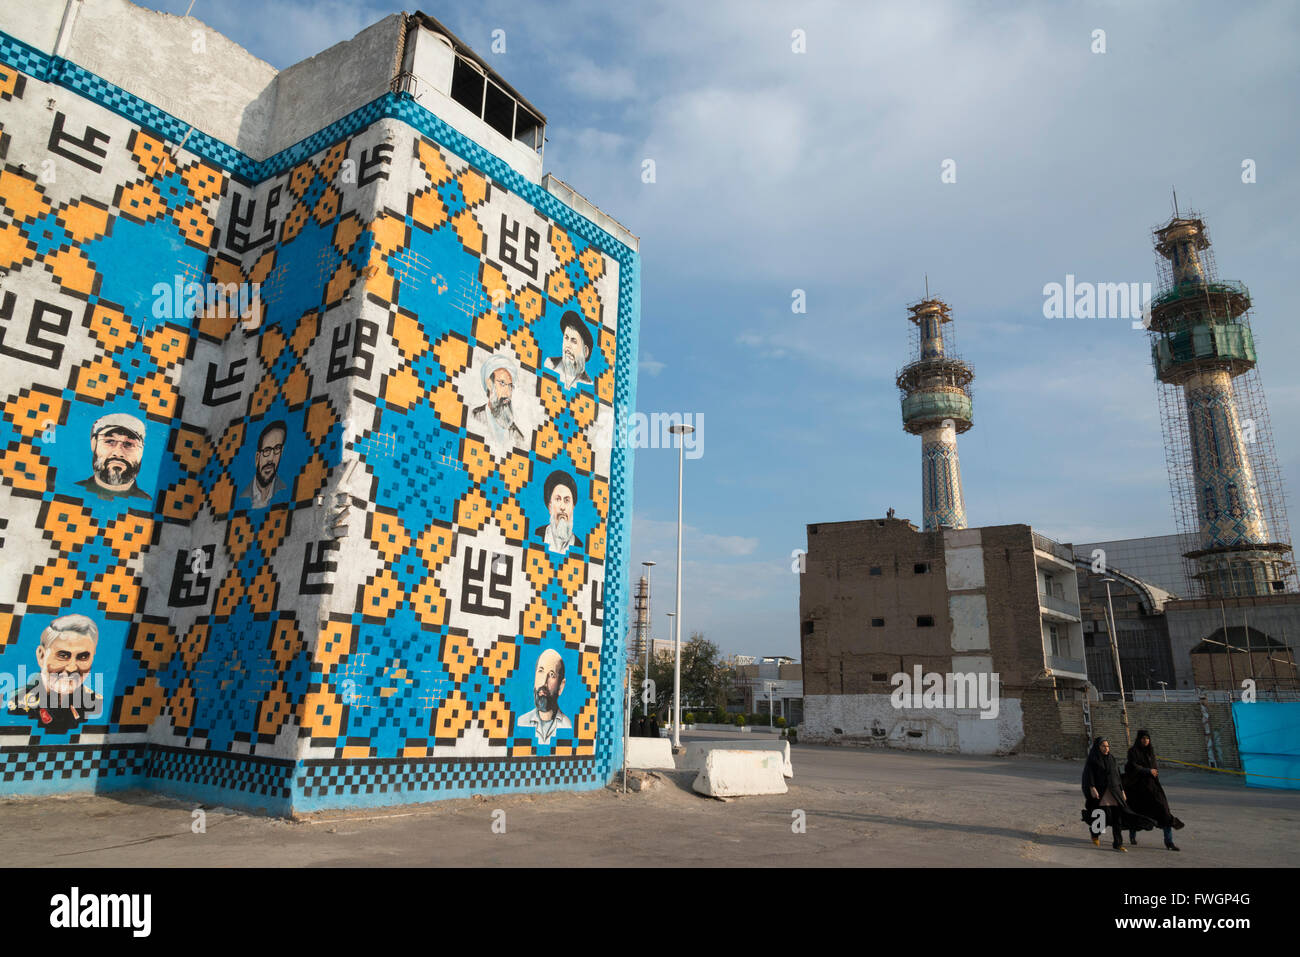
<point x="1102" y="788"/>
<point x="1146" y="794"/>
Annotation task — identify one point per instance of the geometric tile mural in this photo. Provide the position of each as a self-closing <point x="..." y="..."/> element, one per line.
<point x="309" y="494"/>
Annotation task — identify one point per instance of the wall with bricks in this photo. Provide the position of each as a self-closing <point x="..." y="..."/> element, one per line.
<point x="1192" y="621"/>
<point x="980" y="588"/>
<point x="1176" y="729"/>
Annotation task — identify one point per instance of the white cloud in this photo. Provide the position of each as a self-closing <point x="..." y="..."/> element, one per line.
<point x="650" y="365"/>
<point x="596" y="82"/>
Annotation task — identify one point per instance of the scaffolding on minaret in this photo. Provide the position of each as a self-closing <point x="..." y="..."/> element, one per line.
<point x="641" y="620"/>
<point x="1226" y="486"/>
<point x="936" y="404"/>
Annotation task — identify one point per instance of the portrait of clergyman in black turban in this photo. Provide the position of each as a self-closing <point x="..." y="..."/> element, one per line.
<point x="561" y="494"/>
<point x="575" y="348"/>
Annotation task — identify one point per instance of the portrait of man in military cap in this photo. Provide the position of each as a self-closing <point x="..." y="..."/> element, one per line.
<point x="495" y="419"/>
<point x="575" y="348"/>
<point x="548" y="684"/>
<point x="57" y="698"/>
<point x="561" y="494"/>
<point x="116" y="450"/>
<point x="266" y="483"/>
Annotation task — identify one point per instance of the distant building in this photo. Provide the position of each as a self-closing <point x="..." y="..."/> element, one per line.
<point x="1141" y="625"/>
<point x="1197" y="628"/>
<point x="773" y="681"/>
<point x="1157" y="559"/>
<point x="880" y="598"/>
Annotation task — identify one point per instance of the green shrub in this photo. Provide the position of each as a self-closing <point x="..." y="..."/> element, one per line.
<point x="740" y="721"/>
<point x="688" y="717"/>
<point x="781" y="722"/>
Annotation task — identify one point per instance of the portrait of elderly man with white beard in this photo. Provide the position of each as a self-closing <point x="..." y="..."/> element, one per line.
<point x="57" y="698"/>
<point x="576" y="344"/>
<point x="561" y="494"/>
<point x="496" y="419"/>
<point x="116" y="450"/>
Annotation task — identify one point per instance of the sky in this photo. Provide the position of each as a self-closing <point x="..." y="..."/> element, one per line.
<point x="822" y="171"/>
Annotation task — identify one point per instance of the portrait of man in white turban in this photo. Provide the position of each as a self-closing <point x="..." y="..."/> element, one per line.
<point x="495" y="419"/>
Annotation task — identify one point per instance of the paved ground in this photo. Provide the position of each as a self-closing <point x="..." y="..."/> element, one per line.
<point x="877" y="808"/>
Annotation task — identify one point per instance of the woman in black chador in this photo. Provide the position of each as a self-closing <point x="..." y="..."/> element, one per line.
<point x="1102" y="788"/>
<point x="1142" y="781"/>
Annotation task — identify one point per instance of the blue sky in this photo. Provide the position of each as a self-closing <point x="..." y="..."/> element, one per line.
<point x="820" y="171"/>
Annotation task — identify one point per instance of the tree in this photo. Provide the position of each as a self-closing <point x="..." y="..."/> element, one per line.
<point x="661" y="673"/>
<point x="703" y="681"/>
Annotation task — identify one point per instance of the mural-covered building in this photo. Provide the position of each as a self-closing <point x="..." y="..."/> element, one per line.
<point x="311" y="383"/>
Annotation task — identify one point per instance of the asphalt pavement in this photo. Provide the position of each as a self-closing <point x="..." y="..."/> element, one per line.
<point x="856" y="807"/>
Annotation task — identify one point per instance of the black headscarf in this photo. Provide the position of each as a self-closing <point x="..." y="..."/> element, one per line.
<point x="1139" y="756"/>
<point x="1097" y="769"/>
<point x="1095" y="757"/>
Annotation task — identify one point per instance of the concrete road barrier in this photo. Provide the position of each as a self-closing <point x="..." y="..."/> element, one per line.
<point x="731" y="773"/>
<point x="650" y="753"/>
<point x="697" y="750"/>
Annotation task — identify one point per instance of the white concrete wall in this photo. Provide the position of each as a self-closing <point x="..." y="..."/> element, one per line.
<point x="866" y="718"/>
<point x="970" y="622"/>
<point x="429" y="59"/>
<point x="178" y="64"/>
<point x="317" y="91"/>
<point x="35" y="22"/>
<point x="963" y="558"/>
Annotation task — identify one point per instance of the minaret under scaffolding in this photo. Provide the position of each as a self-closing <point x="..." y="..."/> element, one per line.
<point x="936" y="398"/>
<point x="1222" y="468"/>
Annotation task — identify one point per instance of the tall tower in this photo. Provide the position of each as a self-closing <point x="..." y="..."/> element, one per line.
<point x="641" y="614"/>
<point x="1222" y="468"/>
<point x="936" y="398"/>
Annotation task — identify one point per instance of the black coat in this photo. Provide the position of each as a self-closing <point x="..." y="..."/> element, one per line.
<point x="1102" y="772"/>
<point x="1145" y="793"/>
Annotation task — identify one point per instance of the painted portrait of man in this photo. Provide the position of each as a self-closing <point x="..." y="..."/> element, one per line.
<point x="561" y="494"/>
<point x="575" y="349"/>
<point x="116" y="450"/>
<point x="496" y="419"/>
<point x="548" y="684"/>
<point x="266" y="482"/>
<point x="57" y="698"/>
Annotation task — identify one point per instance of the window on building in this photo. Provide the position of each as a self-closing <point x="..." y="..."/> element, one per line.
<point x="921" y="568"/>
<point x="879" y="676"/>
<point x="499" y="110"/>
<point x="1060" y="642"/>
<point x="471" y="88"/>
<point x="925" y="621"/>
<point x="528" y="128"/>
<point x="877" y="623"/>
<point x="808" y="627"/>
<point x="467" y="83"/>
<point x="875" y="570"/>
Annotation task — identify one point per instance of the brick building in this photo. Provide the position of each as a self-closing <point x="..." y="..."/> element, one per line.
<point x="880" y="598"/>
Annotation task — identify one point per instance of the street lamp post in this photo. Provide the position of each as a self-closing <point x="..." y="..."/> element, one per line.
<point x="672" y="631"/>
<point x="1114" y="652"/>
<point x="679" y="430"/>
<point x="645" y="705"/>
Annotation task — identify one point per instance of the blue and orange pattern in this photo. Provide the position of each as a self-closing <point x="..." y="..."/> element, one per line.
<point x="278" y="686"/>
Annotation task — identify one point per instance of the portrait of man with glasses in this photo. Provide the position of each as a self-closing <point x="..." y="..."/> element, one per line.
<point x="266" y="465"/>
<point x="116" y="449"/>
